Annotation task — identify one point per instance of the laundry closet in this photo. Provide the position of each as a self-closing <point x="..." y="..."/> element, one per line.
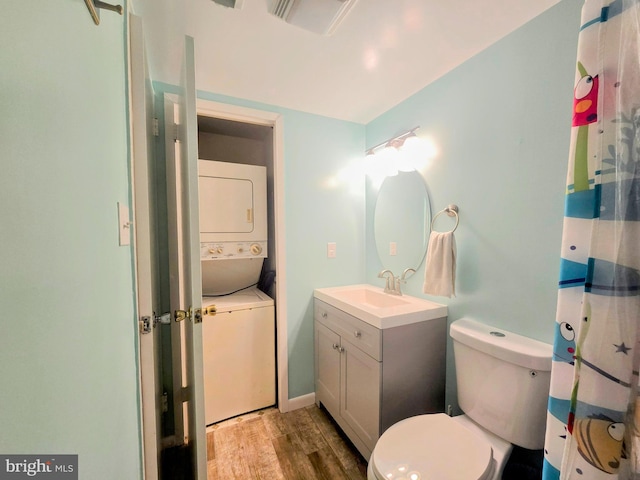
<point x="237" y="252"/>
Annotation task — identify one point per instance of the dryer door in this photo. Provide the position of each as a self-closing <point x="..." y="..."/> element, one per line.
<point x="227" y="204"/>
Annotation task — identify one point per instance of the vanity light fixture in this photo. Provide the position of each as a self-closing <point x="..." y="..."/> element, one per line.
<point x="397" y="141"/>
<point x="390" y="156"/>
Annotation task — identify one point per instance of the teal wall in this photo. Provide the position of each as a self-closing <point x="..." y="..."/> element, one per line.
<point x="67" y="347"/>
<point x="324" y="202"/>
<point x="67" y="350"/>
<point x="501" y="123"/>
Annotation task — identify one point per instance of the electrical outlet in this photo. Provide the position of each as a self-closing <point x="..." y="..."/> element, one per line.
<point x="331" y="250"/>
<point x="393" y="248"/>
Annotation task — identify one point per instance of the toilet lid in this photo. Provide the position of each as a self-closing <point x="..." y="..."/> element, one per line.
<point x="431" y="447"/>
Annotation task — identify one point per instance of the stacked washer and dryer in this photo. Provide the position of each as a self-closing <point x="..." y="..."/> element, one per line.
<point x="239" y="340"/>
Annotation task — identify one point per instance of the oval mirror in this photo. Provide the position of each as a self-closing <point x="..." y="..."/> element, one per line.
<point x="402" y="221"/>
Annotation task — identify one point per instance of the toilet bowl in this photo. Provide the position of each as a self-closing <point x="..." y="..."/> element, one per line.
<point x="438" y="446"/>
<point x="503" y="385"/>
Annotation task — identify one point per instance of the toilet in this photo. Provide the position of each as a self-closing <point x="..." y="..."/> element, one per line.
<point x="503" y="388"/>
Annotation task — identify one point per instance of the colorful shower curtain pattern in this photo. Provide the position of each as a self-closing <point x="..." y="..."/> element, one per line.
<point x="592" y="431"/>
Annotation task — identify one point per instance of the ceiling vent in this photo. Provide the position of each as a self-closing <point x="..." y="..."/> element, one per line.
<point x="229" y="3"/>
<point x="318" y="16"/>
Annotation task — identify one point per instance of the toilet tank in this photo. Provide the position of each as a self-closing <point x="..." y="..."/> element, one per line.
<point x="503" y="381"/>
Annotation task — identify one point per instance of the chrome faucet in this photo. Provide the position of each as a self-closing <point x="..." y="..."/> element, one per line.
<point x="389" y="286"/>
<point x="402" y="280"/>
<point x="404" y="274"/>
<point x="393" y="284"/>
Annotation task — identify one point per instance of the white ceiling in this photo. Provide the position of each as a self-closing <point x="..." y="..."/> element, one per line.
<point x="383" y="52"/>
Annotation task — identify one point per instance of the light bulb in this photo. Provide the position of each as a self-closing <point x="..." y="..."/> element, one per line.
<point x="389" y="161"/>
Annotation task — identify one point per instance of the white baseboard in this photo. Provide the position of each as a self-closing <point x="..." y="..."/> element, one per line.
<point x="299" y="402"/>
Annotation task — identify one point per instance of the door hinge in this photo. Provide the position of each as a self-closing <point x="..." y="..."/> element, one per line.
<point x="185" y="394"/>
<point x="155" y="127"/>
<point x="147" y="323"/>
<point x="164" y="402"/>
<point x="176" y="132"/>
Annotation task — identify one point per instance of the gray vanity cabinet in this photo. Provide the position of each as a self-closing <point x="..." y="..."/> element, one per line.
<point x="369" y="378"/>
<point x="349" y="380"/>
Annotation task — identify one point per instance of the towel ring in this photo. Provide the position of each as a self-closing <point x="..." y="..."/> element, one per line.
<point x="451" y="210"/>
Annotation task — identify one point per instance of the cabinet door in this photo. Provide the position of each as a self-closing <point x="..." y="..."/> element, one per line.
<point x="360" y="393"/>
<point x="327" y="347"/>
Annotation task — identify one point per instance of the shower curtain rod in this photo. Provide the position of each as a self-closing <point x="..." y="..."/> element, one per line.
<point x="93" y="5"/>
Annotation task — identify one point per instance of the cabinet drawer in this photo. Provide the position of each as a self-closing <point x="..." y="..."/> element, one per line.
<point x="366" y="337"/>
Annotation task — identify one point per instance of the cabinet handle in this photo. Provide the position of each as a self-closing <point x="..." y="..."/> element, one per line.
<point x="341" y="349"/>
<point x="357" y="334"/>
<point x="324" y="314"/>
<point x="335" y="346"/>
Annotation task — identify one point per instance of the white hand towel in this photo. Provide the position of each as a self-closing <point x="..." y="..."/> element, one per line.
<point x="440" y="269"/>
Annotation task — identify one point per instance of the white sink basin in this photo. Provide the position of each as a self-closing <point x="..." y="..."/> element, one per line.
<point x="382" y="310"/>
<point x="371" y="298"/>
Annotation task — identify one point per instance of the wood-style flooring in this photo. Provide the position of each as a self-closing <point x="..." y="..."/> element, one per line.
<point x="304" y="444"/>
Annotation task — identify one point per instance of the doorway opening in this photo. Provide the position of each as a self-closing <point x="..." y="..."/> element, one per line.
<point x="237" y="238"/>
<point x="255" y="137"/>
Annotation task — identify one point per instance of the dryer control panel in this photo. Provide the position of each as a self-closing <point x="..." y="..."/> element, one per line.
<point x="229" y="250"/>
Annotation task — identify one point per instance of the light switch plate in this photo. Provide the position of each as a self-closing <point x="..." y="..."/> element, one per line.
<point x="331" y="250"/>
<point x="393" y="248"/>
<point x="124" y="224"/>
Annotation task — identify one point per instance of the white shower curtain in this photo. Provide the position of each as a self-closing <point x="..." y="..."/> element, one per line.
<point x="592" y="424"/>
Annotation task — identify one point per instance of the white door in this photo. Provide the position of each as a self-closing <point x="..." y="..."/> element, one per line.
<point x="141" y="115"/>
<point x="184" y="263"/>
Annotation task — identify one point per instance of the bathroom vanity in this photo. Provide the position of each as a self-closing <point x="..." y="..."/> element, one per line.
<point x="379" y="359"/>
